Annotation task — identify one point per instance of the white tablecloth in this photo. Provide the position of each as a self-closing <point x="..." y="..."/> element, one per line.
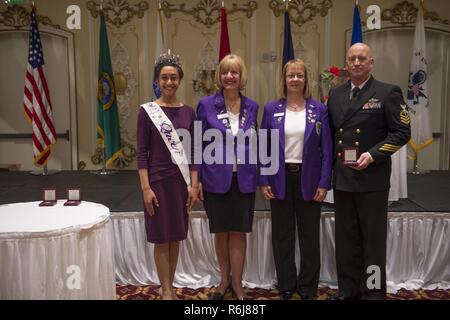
<point x="56" y="252"/>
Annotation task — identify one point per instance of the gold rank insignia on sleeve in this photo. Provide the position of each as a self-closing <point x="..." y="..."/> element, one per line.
<point x="389" y="148"/>
<point x="404" y="115"/>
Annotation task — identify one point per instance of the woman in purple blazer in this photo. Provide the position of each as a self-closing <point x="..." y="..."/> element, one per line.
<point x="228" y="172"/>
<point x="299" y="186"/>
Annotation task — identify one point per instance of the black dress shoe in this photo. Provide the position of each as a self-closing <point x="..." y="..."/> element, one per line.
<point x="341" y="297"/>
<point x="286" y="295"/>
<point x="217" y="295"/>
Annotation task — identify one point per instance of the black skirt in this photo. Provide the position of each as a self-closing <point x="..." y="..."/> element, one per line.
<point x="231" y="211"/>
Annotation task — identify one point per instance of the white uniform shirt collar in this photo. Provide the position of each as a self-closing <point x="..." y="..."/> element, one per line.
<point x="361" y="85"/>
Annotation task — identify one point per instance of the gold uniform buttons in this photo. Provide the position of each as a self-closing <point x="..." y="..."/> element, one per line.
<point x="358" y="131"/>
<point x="356" y="143"/>
<point x="340" y="141"/>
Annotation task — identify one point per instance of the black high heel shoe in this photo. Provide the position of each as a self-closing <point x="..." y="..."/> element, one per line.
<point x="219" y="295"/>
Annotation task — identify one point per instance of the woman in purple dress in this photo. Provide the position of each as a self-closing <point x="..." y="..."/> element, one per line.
<point x="169" y="185"/>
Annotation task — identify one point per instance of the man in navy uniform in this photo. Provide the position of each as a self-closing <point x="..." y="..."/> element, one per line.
<point x="370" y="122"/>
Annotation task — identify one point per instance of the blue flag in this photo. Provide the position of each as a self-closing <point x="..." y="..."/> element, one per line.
<point x="288" y="48"/>
<point x="357" y="31"/>
<point x="160" y="47"/>
<point x="156" y="90"/>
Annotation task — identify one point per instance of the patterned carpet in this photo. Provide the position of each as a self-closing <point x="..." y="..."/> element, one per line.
<point x="151" y="293"/>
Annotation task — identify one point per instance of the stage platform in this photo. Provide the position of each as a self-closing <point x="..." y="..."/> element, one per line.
<point x="121" y="192"/>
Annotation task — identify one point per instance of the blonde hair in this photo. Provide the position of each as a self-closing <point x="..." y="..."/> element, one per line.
<point x="228" y="63"/>
<point x="283" y="89"/>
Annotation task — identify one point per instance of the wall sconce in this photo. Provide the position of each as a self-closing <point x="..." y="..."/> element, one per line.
<point x="203" y="79"/>
<point x="120" y="83"/>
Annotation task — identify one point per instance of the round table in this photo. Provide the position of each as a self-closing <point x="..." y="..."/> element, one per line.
<point x="58" y="252"/>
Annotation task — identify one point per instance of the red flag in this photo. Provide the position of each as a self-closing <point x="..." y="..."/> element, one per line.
<point x="36" y="98"/>
<point x="224" y="39"/>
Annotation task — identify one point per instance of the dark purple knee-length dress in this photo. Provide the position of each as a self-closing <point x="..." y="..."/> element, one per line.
<point x="170" y="222"/>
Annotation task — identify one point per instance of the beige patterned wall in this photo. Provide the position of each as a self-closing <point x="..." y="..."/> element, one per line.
<point x="256" y="36"/>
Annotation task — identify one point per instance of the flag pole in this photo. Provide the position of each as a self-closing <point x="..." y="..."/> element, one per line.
<point x="104" y="160"/>
<point x="104" y="171"/>
<point x="416" y="169"/>
<point x="415" y="166"/>
<point x="44" y="172"/>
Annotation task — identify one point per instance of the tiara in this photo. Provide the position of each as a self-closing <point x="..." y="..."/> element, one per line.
<point x="168" y="58"/>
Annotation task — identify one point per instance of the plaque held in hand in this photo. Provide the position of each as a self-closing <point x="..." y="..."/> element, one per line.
<point x="350" y="156"/>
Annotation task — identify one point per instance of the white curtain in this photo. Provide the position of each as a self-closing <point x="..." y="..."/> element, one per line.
<point x="399" y="187"/>
<point x="418" y="252"/>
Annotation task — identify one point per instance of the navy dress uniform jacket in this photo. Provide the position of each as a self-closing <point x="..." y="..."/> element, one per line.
<point x="376" y="121"/>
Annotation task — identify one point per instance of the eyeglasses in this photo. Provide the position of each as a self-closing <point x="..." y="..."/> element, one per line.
<point x="292" y="76"/>
<point x="361" y="59"/>
<point x="231" y="72"/>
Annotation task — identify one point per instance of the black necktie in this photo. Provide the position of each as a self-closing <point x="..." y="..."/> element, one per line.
<point x="355" y="93"/>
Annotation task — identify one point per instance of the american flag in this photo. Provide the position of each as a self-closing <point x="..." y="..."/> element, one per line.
<point x="36" y="98"/>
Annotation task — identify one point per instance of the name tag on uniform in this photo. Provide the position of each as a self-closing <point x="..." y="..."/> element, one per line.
<point x="279" y="114"/>
<point x="222" y="116"/>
